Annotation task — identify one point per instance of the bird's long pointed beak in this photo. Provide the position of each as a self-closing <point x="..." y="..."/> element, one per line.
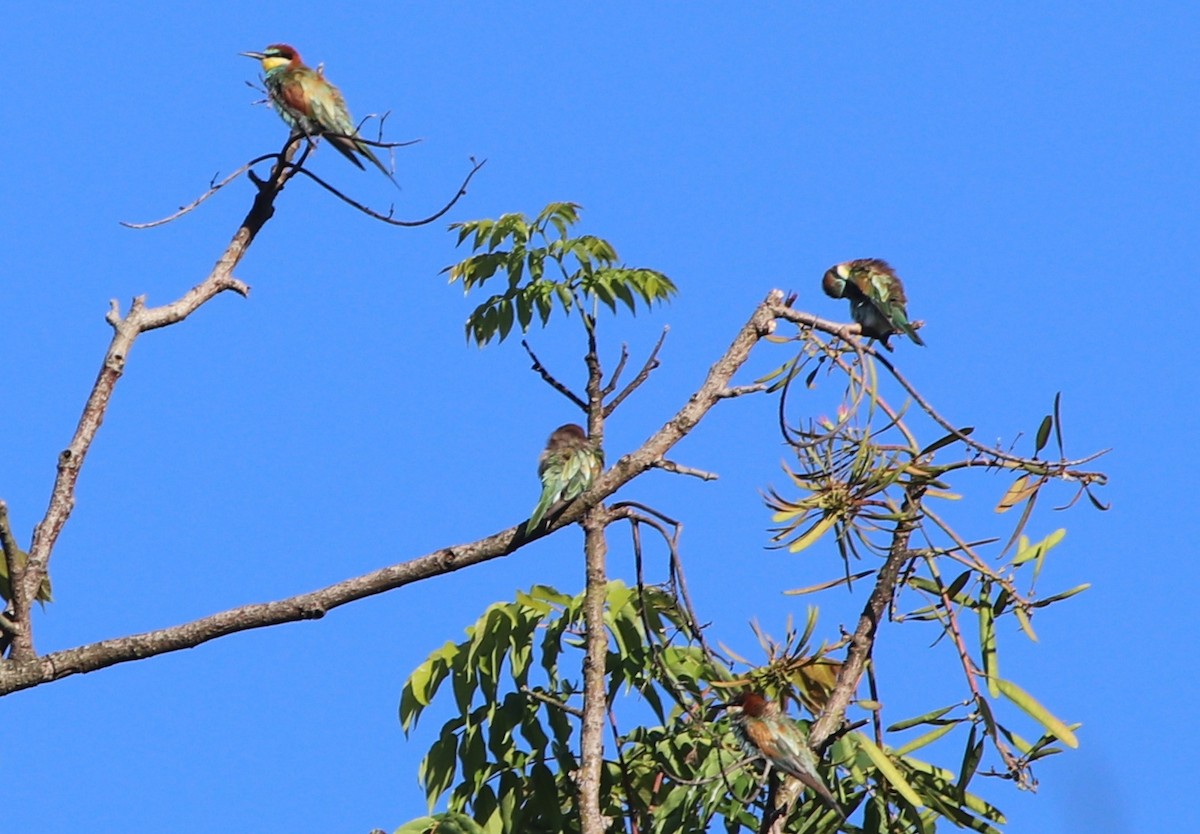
<point x="714" y="711"/>
<point x="256" y="55"/>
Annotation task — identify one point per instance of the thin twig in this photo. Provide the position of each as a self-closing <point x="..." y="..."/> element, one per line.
<point x="679" y="469"/>
<point x="213" y="188"/>
<point x="628" y="509"/>
<point x="742" y="390"/>
<point x="651" y="363"/>
<point x="389" y="218"/>
<point x="551" y="380"/>
<point x="630" y="794"/>
<point x="616" y="374"/>
<point x="554" y="702"/>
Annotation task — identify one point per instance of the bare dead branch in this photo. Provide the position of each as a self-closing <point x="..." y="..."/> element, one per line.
<point x="125" y="330"/>
<point x="651" y="363"/>
<point x="17" y="675"/>
<point x="27" y="670"/>
<point x="551" y="380"/>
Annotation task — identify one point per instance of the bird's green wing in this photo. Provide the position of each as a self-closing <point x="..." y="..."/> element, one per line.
<point x="334" y="116"/>
<point x="576" y="473"/>
<point x="552" y="488"/>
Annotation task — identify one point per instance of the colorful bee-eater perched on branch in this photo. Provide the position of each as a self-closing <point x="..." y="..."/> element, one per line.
<point x="876" y="297"/>
<point x="310" y="104"/>
<point x="567" y="466"/>
<point x="764" y="731"/>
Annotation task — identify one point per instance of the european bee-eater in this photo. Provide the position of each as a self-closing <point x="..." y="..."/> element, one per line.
<point x="764" y="731"/>
<point x="309" y="104"/>
<point x="567" y="466"/>
<point x="876" y="296"/>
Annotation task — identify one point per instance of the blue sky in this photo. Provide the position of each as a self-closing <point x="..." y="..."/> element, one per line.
<point x="1031" y="169"/>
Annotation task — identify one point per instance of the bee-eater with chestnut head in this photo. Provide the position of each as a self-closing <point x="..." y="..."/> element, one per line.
<point x="764" y="731"/>
<point x="876" y="296"/>
<point x="567" y="466"/>
<point x="310" y="104"/>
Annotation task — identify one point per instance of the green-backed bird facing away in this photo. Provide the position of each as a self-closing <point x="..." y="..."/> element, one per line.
<point x="567" y="466"/>
<point x="764" y="731"/>
<point x="876" y="296"/>
<point x="310" y="104"/>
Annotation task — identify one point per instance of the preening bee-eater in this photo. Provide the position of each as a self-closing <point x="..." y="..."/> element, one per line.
<point x="309" y="104"/>
<point x="567" y="466"/>
<point x="764" y="731"/>
<point x="876" y="296"/>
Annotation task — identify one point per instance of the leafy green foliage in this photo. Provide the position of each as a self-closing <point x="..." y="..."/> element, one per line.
<point x="544" y="269"/>
<point x="507" y="759"/>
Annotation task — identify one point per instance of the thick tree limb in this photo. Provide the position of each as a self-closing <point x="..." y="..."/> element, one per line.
<point x="595" y="675"/>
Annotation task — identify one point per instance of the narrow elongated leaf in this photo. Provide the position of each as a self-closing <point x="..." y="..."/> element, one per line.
<point x="1026" y="625"/>
<point x="922" y="740"/>
<point x="927" y="718"/>
<point x="833" y="583"/>
<point x="946" y="441"/>
<point x="972" y="754"/>
<point x="1043" y="434"/>
<point x="819" y="529"/>
<point x="888" y="769"/>
<point x="987" y="641"/>
<point x="1037" y="712"/>
<point x="1058" y="424"/>
<point x="1050" y="600"/>
<point x="1017" y="493"/>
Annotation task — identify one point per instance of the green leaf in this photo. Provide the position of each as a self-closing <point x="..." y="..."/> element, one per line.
<point x="1018" y="492"/>
<point x="1026" y="625"/>
<point x="1043" y="434"/>
<point x="506" y="318"/>
<point x="437" y="769"/>
<point x="1050" y="600"/>
<point x="972" y="755"/>
<point x="946" y="441"/>
<point x="928" y="738"/>
<point x="987" y="640"/>
<point x="927" y="718"/>
<point x="1037" y="712"/>
<point x="887" y="769"/>
<point x="421" y="825"/>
